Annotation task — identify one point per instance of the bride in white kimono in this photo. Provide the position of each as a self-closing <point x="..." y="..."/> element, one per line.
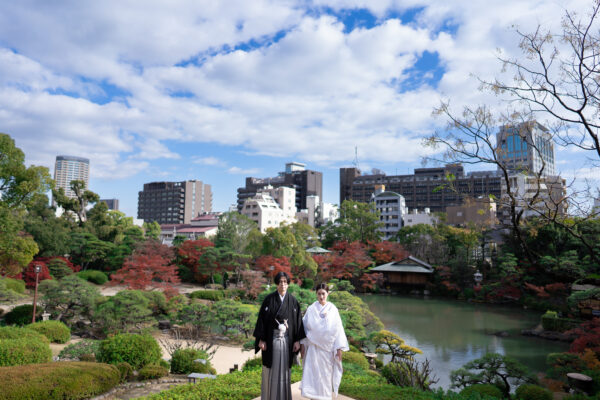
<point x="322" y="348"/>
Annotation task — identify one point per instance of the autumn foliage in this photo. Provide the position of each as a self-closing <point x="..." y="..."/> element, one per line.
<point x="588" y="337"/>
<point x="28" y="275"/>
<point x="348" y="261"/>
<point x="190" y="254"/>
<point x="279" y="264"/>
<point x="385" y="252"/>
<point x="150" y="266"/>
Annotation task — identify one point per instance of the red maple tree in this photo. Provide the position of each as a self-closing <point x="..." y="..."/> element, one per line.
<point x="28" y="275"/>
<point x="190" y="253"/>
<point x="150" y="266"/>
<point x="588" y="337"/>
<point x="348" y="260"/>
<point x="385" y="252"/>
<point x="271" y="266"/>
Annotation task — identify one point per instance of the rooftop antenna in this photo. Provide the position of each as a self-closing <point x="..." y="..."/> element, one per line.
<point x="355" y="162"/>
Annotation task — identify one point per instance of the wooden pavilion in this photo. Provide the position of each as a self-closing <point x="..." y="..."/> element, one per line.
<point x="407" y="272"/>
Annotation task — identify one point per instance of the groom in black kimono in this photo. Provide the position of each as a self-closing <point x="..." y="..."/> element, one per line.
<point x="278" y="332"/>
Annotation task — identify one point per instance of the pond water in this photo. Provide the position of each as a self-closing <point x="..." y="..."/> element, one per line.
<point x="452" y="333"/>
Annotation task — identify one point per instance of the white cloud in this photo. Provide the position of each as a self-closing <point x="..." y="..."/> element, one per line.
<point x="314" y="94"/>
<point x="243" y="171"/>
<point x="213" y="161"/>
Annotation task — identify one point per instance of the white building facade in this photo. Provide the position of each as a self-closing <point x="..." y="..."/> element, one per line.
<point x="70" y="168"/>
<point x="392" y="208"/>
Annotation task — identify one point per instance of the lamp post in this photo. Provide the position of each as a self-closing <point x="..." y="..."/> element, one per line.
<point x="38" y="269"/>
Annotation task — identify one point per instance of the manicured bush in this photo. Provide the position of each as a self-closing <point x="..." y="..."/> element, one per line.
<point x="483" y="389"/>
<point x="7" y="295"/>
<point x="355" y="358"/>
<point x="218" y="278"/>
<point x="182" y="362"/>
<point x="75" y="351"/>
<point x="16" y="285"/>
<point x="55" y="331"/>
<point x="552" y="322"/>
<point x="532" y="392"/>
<point x="21" y="315"/>
<point x="94" y="276"/>
<point x="13" y="332"/>
<point x="213" y="295"/>
<point x="23" y="351"/>
<point x="57" y="381"/>
<point x="126" y="371"/>
<point x="252" y="363"/>
<point x="152" y="371"/>
<point x="137" y="350"/>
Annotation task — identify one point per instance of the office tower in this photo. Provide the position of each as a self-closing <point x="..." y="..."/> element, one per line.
<point x="426" y="188"/>
<point x="112" y="204"/>
<point x="174" y="202"/>
<point x="305" y="182"/>
<point x="526" y="148"/>
<point x="70" y="168"/>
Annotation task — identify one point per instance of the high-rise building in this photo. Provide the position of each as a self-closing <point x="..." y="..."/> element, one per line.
<point x="68" y="169"/>
<point x="305" y="182"/>
<point x="426" y="188"/>
<point x="174" y="202"/>
<point x="112" y="204"/>
<point x="392" y="208"/>
<point x="527" y="148"/>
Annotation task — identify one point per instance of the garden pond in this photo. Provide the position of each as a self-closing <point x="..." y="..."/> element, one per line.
<point x="452" y="333"/>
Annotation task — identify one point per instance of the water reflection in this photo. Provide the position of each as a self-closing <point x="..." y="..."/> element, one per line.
<point x="452" y="333"/>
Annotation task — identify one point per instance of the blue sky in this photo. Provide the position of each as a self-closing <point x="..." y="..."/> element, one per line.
<point x="218" y="91"/>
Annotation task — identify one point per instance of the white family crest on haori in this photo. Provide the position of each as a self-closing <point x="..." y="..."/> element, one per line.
<point x="322" y="371"/>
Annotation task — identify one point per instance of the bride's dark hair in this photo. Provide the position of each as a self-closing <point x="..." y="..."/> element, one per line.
<point x="323" y="286"/>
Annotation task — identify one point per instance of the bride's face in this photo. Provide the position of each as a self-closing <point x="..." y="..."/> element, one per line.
<point x="322" y="296"/>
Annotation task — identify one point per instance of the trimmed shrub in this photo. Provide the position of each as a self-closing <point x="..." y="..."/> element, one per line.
<point x="75" y="351"/>
<point x="483" y="389"/>
<point x="94" y="276"/>
<point x="16" y="285"/>
<point x="552" y="322"/>
<point x="55" y="331"/>
<point x="13" y="332"/>
<point x="125" y="370"/>
<point x="532" y="392"/>
<point x="252" y="363"/>
<point x="152" y="371"/>
<point x="218" y="278"/>
<point x="213" y="295"/>
<point x="355" y="358"/>
<point x="137" y="350"/>
<point x="57" y="381"/>
<point x="24" y="351"/>
<point x="21" y="315"/>
<point x="182" y="362"/>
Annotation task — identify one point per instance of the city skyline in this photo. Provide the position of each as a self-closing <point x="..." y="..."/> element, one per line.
<point x="220" y="92"/>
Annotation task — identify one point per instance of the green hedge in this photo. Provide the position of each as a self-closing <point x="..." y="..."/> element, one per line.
<point x="213" y="295"/>
<point x="552" y="322"/>
<point x="355" y="358"/>
<point x="13" y="332"/>
<point x="94" y="276"/>
<point x="23" y="351"/>
<point x="182" y="362"/>
<point x="126" y="371"/>
<point x="21" y="315"/>
<point x="58" y="380"/>
<point x="532" y="392"/>
<point x="137" y="350"/>
<point x="483" y="389"/>
<point x="55" y="331"/>
<point x="152" y="371"/>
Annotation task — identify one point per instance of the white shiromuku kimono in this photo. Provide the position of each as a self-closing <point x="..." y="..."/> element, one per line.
<point x="322" y="372"/>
